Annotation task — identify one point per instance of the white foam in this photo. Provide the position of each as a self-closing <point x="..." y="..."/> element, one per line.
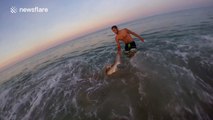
<point x="140" y="90"/>
<point x="53" y="81"/>
<point x="207" y="40"/>
<point x="183" y="71"/>
<point x="200" y="113"/>
<point x="4" y="96"/>
<point x="136" y="60"/>
<point x="208" y="37"/>
<point x="131" y="112"/>
<point x="183" y="55"/>
<point x="206" y="97"/>
<point x="36" y="101"/>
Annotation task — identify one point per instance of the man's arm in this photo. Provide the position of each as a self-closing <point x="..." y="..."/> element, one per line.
<point x="136" y="35"/>
<point x="118" y="44"/>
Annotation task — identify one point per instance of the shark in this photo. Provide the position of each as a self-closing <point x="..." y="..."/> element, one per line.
<point x="110" y="69"/>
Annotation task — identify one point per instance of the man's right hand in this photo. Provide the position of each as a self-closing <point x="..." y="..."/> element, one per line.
<point x="119" y="51"/>
<point x="119" y="48"/>
<point x="142" y="39"/>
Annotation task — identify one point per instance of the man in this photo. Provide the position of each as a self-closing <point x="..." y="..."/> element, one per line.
<point x="124" y="35"/>
<point x="130" y="47"/>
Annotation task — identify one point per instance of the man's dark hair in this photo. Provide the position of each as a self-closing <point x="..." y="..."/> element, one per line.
<point x="114" y="26"/>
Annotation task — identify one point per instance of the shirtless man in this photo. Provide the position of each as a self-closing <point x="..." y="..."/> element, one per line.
<point x="124" y="35"/>
<point x="130" y="47"/>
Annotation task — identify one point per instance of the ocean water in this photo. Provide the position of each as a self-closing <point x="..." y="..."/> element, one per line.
<point x="170" y="78"/>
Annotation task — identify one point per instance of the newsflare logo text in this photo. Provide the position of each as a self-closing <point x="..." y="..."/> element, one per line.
<point x="36" y="9"/>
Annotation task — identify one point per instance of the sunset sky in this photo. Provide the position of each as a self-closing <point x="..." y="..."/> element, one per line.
<point x="25" y="34"/>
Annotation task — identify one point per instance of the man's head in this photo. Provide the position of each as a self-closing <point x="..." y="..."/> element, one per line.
<point x="115" y="29"/>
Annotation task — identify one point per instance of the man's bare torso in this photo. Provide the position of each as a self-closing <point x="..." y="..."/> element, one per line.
<point x="124" y="36"/>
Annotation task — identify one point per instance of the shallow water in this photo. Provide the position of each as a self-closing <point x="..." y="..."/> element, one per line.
<point x="169" y="78"/>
